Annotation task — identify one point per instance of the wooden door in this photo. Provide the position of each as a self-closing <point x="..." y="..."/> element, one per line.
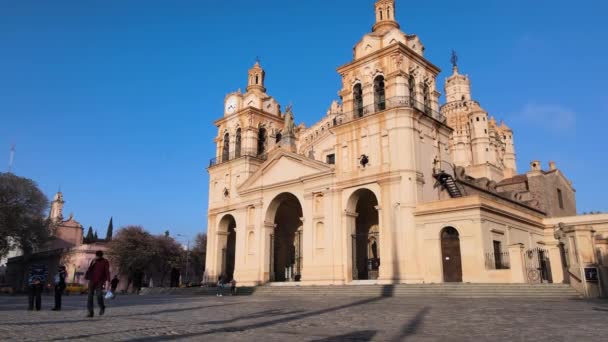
<point x="450" y="252"/>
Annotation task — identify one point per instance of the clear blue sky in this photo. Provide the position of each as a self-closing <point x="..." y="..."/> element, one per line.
<point x="113" y="101"/>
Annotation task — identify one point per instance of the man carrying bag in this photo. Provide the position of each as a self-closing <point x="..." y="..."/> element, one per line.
<point x="98" y="275"/>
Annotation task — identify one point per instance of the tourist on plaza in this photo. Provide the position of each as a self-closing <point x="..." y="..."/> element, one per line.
<point x="35" y="282"/>
<point x="220" y="286"/>
<point x="98" y="275"/>
<point x="233" y="287"/>
<point x="59" y="283"/>
<point x="114" y="284"/>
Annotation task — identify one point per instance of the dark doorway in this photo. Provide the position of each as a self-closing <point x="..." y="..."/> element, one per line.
<point x="450" y="253"/>
<point x="366" y="244"/>
<point x="229" y="251"/>
<point x="286" y="259"/>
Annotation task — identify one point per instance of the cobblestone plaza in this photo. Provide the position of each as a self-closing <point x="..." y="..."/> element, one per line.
<point x="176" y="318"/>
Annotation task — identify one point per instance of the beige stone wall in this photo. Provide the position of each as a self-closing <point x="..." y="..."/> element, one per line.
<point x="400" y="140"/>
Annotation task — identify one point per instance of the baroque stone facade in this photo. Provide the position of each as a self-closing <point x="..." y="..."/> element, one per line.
<point x="387" y="187"/>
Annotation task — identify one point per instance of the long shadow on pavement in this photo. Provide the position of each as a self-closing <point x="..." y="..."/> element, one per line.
<point x="412" y="326"/>
<point x="359" y="336"/>
<point x="264" y="324"/>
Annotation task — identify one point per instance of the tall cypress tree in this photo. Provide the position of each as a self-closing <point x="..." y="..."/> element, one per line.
<point x="89" y="238"/>
<point x="110" y="230"/>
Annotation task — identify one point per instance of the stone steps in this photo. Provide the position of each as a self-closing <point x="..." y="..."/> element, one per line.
<point x="417" y="290"/>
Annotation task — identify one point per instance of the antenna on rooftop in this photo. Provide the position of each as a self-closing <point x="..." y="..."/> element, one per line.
<point x="11" y="158"/>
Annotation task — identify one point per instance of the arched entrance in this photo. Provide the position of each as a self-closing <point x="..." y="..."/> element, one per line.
<point x="286" y="240"/>
<point x="450" y="254"/>
<point x="227" y="233"/>
<point x="366" y="237"/>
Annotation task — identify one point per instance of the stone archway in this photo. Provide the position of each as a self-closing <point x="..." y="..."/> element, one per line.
<point x="227" y="243"/>
<point x="366" y="235"/>
<point x="285" y="260"/>
<point x="450" y="255"/>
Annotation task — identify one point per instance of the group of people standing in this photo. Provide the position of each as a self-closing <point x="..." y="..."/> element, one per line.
<point x="222" y="282"/>
<point x="98" y="275"/>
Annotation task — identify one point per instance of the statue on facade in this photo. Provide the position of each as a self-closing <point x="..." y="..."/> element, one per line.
<point x="290" y="126"/>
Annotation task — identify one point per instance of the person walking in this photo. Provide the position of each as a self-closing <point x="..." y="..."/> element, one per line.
<point x="220" y="285"/>
<point x="233" y="287"/>
<point x="59" y="286"/>
<point x="98" y="275"/>
<point x="114" y="284"/>
<point x="35" y="281"/>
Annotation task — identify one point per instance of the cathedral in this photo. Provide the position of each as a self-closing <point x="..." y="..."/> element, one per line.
<point x="390" y="185"/>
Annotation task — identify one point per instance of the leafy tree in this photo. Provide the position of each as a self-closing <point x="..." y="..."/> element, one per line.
<point x="22" y="215"/>
<point x="23" y="223"/>
<point x="198" y="255"/>
<point x="133" y="250"/>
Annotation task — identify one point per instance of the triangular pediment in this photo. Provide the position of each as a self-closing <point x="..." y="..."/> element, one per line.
<point x="284" y="167"/>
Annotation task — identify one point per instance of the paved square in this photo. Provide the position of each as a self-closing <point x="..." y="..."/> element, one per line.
<point x="174" y="318"/>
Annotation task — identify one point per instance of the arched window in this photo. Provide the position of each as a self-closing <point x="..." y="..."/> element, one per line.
<point x="226" y="148"/>
<point x="379" y="93"/>
<point x="257" y="79"/>
<point x="279" y="136"/>
<point x="427" y="98"/>
<point x="237" y="143"/>
<point x="358" y="100"/>
<point x="388" y="13"/>
<point x="381" y="14"/>
<point x="262" y="137"/>
<point x="412" y="88"/>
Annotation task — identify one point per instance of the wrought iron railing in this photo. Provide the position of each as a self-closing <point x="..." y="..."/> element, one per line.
<point x="226" y="157"/>
<point x="497" y="261"/>
<point x="394" y="102"/>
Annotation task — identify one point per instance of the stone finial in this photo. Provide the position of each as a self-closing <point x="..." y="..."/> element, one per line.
<point x="552" y="166"/>
<point x="535" y="165"/>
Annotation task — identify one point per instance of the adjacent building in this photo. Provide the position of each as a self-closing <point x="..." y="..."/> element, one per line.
<point x="68" y="247"/>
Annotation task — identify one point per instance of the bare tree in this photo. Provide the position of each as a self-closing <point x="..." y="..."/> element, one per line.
<point x="199" y="253"/>
<point x="133" y="250"/>
<point x="169" y="254"/>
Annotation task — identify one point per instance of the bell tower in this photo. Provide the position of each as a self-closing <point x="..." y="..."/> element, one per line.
<point x="256" y="78"/>
<point x="385" y="16"/>
<point x="56" y="213"/>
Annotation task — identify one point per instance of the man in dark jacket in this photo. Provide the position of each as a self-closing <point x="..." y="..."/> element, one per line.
<point x="36" y="280"/>
<point x="59" y="286"/>
<point x="98" y="275"/>
<point x="114" y="283"/>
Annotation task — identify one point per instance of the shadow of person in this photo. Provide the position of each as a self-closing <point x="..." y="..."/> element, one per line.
<point x="364" y="335"/>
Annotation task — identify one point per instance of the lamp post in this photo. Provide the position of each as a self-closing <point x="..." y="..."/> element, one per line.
<point x="187" y="256"/>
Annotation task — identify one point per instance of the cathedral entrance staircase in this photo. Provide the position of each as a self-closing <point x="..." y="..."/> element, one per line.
<point x="542" y="291"/>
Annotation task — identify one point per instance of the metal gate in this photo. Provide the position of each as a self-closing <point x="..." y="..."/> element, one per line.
<point x="294" y="262"/>
<point x="538" y="267"/>
<point x="271" y="266"/>
<point x="224" y="257"/>
<point x="297" y="275"/>
<point x="369" y="246"/>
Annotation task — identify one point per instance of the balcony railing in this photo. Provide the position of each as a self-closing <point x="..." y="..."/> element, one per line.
<point x="394" y="102"/>
<point x="226" y="157"/>
<point x="497" y="261"/>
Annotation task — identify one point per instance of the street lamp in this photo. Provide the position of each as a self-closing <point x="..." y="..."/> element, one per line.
<point x="187" y="256"/>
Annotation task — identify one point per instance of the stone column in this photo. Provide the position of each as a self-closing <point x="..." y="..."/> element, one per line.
<point x="518" y="269"/>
